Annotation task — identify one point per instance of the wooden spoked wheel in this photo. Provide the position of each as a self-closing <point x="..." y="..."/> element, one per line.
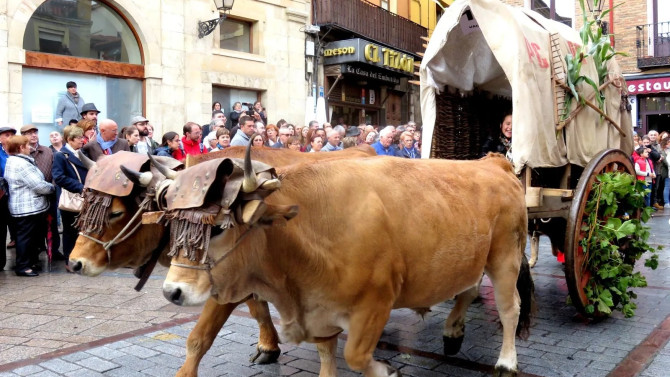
<point x="576" y="273"/>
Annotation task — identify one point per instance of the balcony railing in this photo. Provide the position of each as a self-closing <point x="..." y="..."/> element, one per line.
<point x="371" y="22"/>
<point x="653" y="45"/>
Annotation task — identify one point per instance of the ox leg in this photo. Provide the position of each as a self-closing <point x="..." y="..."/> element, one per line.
<point x="203" y="334"/>
<point x="267" y="350"/>
<point x="534" y="248"/>
<point x="365" y="329"/>
<point x="327" y="351"/>
<point x="508" y="305"/>
<point x="454" y="327"/>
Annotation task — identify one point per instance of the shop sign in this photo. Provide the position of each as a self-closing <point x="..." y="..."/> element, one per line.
<point x="370" y="74"/>
<point x="646" y="86"/>
<point x="363" y="51"/>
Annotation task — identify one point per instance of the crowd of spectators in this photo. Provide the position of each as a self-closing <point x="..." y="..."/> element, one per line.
<point x="32" y="176"/>
<point x="651" y="166"/>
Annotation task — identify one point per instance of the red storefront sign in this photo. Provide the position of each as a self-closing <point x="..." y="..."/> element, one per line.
<point x="647" y="86"/>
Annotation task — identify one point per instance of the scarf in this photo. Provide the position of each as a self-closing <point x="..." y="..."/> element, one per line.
<point x="105" y="145"/>
<point x="410" y="152"/>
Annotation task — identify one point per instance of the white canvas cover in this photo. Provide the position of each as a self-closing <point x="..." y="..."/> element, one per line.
<point x="505" y="50"/>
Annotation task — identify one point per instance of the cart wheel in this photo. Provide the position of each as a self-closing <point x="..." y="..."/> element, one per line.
<point x="576" y="274"/>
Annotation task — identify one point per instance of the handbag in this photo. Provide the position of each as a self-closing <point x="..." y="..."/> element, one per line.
<point x="70" y="201"/>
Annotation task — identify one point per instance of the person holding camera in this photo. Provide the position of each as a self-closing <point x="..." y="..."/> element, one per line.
<point x="235" y="115"/>
<point x="259" y="113"/>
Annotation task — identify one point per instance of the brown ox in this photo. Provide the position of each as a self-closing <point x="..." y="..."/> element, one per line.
<point x="356" y="250"/>
<point x="91" y="259"/>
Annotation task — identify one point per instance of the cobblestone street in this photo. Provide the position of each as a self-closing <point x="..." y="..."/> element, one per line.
<point x="67" y="325"/>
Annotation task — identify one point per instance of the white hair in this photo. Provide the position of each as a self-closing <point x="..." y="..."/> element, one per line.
<point x="387" y="131"/>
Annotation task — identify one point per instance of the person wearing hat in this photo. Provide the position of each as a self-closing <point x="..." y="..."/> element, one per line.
<point x="145" y="144"/>
<point x="70" y="105"/>
<point x="5" y="134"/>
<point x="90" y="112"/>
<point x="44" y="158"/>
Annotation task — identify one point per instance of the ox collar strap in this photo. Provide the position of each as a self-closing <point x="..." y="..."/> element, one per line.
<point x="126" y="231"/>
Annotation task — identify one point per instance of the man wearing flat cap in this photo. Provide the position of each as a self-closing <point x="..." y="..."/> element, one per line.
<point x="5" y="217"/>
<point x="44" y="159"/>
<point x="146" y="144"/>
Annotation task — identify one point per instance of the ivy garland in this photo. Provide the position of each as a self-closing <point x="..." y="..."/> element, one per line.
<point x="614" y="240"/>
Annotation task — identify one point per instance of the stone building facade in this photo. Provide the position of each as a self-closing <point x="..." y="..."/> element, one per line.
<point x="145" y="58"/>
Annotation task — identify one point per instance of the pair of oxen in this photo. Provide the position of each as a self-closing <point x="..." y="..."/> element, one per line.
<point x="334" y="240"/>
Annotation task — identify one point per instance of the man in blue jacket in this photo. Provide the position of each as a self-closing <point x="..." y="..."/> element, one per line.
<point x="383" y="145"/>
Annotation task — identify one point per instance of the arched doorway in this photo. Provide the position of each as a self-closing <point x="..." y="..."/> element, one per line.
<point x="88" y="42"/>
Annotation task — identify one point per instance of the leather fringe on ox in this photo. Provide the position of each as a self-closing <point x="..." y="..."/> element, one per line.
<point x="190" y="229"/>
<point x="93" y="217"/>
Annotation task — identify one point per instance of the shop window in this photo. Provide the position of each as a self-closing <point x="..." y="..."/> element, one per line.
<point x="228" y="96"/>
<point x="116" y="98"/>
<point x="557" y="10"/>
<point x="236" y="35"/>
<point x="81" y="28"/>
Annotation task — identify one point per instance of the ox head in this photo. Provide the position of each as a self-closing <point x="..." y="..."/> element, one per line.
<point x="118" y="191"/>
<point x="222" y="231"/>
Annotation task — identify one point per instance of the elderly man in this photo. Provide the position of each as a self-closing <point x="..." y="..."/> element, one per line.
<point x="106" y="141"/>
<point x="313" y="124"/>
<point x="243" y="136"/>
<point x="333" y="144"/>
<point x="44" y="159"/>
<point x="145" y="144"/>
<point x="383" y="145"/>
<point x="217" y="116"/>
<point x="284" y="134"/>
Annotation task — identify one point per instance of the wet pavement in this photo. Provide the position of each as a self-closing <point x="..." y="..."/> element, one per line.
<point x="60" y="324"/>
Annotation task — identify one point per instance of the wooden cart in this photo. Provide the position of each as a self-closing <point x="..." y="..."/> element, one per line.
<point x="458" y="120"/>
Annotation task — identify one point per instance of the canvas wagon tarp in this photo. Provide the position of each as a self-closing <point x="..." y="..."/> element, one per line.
<point x="488" y="46"/>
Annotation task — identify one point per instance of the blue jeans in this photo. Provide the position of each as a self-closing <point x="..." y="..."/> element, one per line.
<point x="666" y="191"/>
<point x="647" y="196"/>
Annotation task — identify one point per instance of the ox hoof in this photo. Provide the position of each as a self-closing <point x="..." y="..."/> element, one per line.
<point x="501" y="371"/>
<point x="265" y="357"/>
<point x="452" y="345"/>
<point x="390" y="369"/>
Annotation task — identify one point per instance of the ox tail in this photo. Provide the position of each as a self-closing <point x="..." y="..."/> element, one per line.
<point x="526" y="289"/>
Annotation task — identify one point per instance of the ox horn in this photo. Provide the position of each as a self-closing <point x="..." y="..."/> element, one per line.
<point x="142" y="179"/>
<point x="271" y="184"/>
<point x="167" y="172"/>
<point x="249" y="184"/>
<point x="88" y="163"/>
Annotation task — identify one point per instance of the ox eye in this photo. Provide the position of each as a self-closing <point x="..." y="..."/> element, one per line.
<point x="114" y="215"/>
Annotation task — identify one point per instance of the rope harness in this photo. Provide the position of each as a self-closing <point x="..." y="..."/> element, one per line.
<point x="126" y="231"/>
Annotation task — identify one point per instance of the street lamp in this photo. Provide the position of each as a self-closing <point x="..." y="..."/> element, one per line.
<point x="595" y="7"/>
<point x="206" y="27"/>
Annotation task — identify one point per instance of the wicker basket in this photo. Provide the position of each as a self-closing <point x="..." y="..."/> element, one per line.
<point x="463" y="123"/>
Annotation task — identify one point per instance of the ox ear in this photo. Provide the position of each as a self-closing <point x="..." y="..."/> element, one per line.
<point x="278" y="214"/>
